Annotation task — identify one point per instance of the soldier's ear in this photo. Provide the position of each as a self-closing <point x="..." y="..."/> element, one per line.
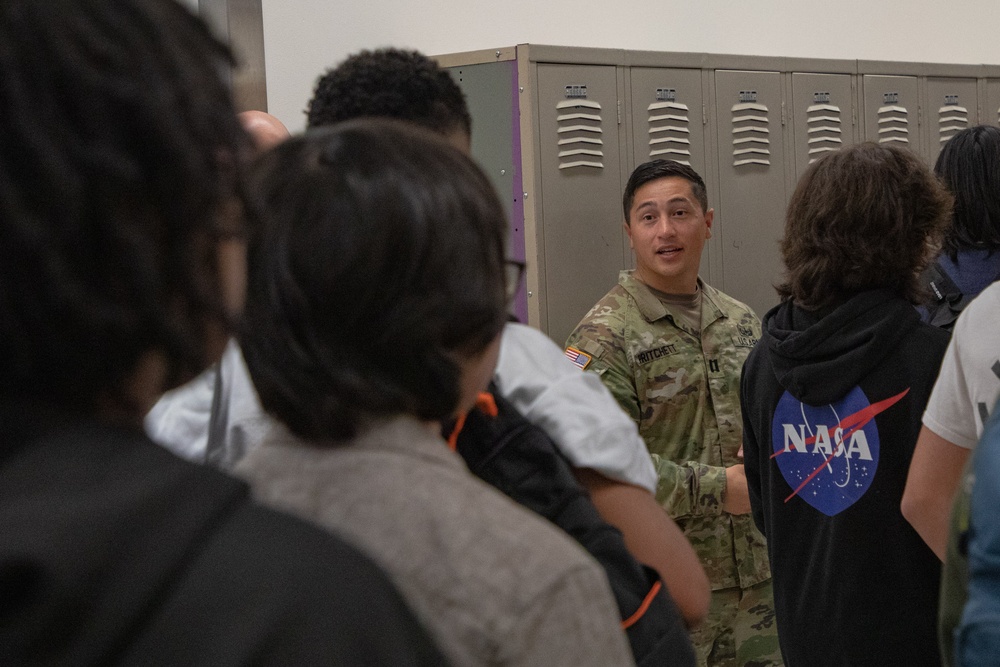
<point x="709" y="216"/>
<point x="628" y="231"/>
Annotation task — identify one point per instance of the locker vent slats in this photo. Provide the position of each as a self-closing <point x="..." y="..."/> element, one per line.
<point x="824" y="130"/>
<point x="751" y="142"/>
<point x="893" y="123"/>
<point x="952" y="118"/>
<point x="669" y="129"/>
<point x="578" y="123"/>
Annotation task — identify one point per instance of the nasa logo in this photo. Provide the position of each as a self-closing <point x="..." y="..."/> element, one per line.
<point x="829" y="454"/>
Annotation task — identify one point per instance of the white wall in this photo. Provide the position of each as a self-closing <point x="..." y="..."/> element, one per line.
<point x="302" y="38"/>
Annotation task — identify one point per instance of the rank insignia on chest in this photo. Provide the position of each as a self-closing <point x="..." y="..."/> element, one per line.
<point x="580" y="359"/>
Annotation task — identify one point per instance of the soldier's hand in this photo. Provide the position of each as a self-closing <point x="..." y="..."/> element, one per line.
<point x="737" y="500"/>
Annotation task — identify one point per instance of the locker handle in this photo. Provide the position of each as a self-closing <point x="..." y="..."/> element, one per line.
<point x="667" y="105"/>
<point x="569" y="104"/>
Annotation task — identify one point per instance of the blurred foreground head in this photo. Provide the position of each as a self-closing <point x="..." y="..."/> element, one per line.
<point x="865" y="217"/>
<point x="377" y="282"/>
<point x="119" y="173"/>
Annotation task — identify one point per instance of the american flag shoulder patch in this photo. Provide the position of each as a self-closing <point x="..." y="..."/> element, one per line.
<point x="580" y="359"/>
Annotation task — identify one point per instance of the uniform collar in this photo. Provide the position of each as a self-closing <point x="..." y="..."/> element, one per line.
<point x="652" y="309"/>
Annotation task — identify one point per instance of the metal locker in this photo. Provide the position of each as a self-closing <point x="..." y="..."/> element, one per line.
<point x="580" y="166"/>
<point x="750" y="205"/>
<point x="667" y="116"/>
<point x="891" y="110"/>
<point x="951" y="107"/>
<point x="823" y="116"/>
<point x="490" y="93"/>
<point x="991" y="102"/>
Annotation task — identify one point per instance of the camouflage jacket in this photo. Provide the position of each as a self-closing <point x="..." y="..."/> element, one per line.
<point x="682" y="389"/>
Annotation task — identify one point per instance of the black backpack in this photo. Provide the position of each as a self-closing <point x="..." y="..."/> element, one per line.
<point x="947" y="301"/>
<point x="518" y="458"/>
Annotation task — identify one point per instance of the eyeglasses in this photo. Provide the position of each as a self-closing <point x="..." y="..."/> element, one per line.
<point x="513" y="271"/>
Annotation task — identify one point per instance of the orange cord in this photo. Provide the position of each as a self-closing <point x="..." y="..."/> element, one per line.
<point x="484" y="403"/>
<point x="634" y="618"/>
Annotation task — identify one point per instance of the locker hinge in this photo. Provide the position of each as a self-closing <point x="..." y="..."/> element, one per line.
<point x="783" y="113"/>
<point x="619" y="112"/>
<point x="704" y="114"/>
<point x="920" y="115"/>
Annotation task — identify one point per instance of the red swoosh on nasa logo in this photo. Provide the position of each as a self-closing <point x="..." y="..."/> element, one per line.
<point x="853" y="422"/>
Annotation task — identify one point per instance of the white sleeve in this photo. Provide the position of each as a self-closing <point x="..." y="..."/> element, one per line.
<point x="179" y="420"/>
<point x="574" y="408"/>
<point x="968" y="385"/>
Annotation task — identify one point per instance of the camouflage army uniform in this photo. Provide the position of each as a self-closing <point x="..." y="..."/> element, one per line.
<point x="682" y="389"/>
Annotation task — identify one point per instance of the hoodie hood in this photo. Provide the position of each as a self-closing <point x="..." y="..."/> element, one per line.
<point x="819" y="359"/>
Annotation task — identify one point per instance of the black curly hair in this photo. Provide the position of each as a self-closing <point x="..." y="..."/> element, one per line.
<point x="390" y="83"/>
<point x="380" y="265"/>
<point x="120" y="149"/>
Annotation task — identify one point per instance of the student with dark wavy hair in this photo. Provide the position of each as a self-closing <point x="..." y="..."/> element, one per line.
<point x="375" y="304"/>
<point x="120" y="164"/>
<point x="969" y="167"/>
<point x="832" y="396"/>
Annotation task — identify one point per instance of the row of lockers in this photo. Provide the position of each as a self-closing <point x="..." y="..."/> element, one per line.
<point x="566" y="127"/>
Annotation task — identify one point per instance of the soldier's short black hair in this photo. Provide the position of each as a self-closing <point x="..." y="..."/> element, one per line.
<point x="861" y="218"/>
<point x="969" y="166"/>
<point x="380" y="264"/>
<point x="390" y="83"/>
<point x="120" y="147"/>
<point x="654" y="170"/>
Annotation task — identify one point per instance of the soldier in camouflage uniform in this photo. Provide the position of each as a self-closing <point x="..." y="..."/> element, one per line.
<point x="671" y="349"/>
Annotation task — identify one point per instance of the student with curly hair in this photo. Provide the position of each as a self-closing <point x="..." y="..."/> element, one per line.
<point x="832" y="397"/>
<point x="121" y="167"/>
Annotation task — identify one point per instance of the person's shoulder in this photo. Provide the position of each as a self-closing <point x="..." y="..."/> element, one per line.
<point x="312" y="596"/>
<point x="726" y="303"/>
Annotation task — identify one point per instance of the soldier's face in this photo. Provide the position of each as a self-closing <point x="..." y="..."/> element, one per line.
<point x="667" y="229"/>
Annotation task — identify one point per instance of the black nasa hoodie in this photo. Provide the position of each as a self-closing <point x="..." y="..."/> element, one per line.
<point x="831" y="410"/>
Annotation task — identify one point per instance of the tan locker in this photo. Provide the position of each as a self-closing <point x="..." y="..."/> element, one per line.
<point x="823" y="116"/>
<point x="991" y="102"/>
<point x="751" y="201"/>
<point x="580" y="168"/>
<point x="891" y="111"/>
<point x="951" y="107"/>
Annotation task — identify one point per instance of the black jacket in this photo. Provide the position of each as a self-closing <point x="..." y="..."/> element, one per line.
<point x="518" y="458"/>
<point x="831" y="411"/>
<point x="116" y="552"/>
